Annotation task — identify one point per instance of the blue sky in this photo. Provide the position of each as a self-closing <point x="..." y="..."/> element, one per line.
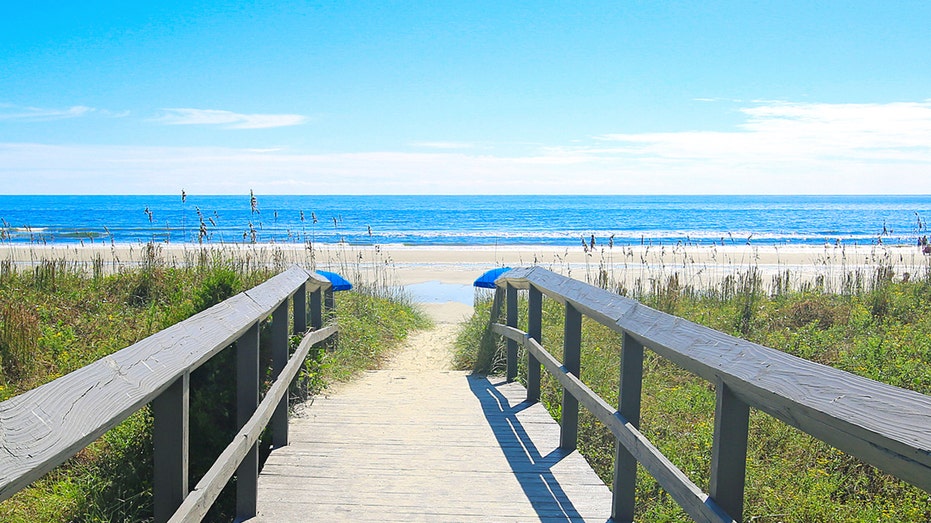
<point x="465" y="97"/>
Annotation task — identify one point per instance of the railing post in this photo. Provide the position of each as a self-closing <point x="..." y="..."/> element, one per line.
<point x="511" y="322"/>
<point x="535" y="331"/>
<point x="247" y="400"/>
<point x="328" y="300"/>
<point x="625" y="464"/>
<point x="170" y="441"/>
<point x="299" y="302"/>
<point x="279" y="421"/>
<point x="572" y="361"/>
<point x="729" y="451"/>
<point x="316" y="309"/>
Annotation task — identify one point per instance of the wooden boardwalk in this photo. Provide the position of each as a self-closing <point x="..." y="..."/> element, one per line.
<point x="428" y="446"/>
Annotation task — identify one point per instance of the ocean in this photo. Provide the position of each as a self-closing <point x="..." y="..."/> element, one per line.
<point x="466" y="220"/>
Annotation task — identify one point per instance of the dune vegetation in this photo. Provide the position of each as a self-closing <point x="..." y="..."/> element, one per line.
<point x="877" y="325"/>
<point x="57" y="316"/>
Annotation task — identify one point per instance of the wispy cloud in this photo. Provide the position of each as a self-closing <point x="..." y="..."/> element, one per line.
<point x="780" y="132"/>
<point x="228" y="119"/>
<point x="778" y="148"/>
<point x="444" y="145"/>
<point x="11" y="112"/>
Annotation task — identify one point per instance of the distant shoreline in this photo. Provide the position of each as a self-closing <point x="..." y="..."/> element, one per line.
<point x="462" y="264"/>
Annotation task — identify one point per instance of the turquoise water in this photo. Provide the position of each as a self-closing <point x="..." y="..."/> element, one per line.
<point x="466" y="220"/>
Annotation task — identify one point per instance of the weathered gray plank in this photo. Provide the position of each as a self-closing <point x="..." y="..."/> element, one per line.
<point x="434" y="447"/>
<point x="630" y="385"/>
<point x="884" y="425"/>
<point x="247" y="401"/>
<point x="171" y="445"/>
<point x="729" y="451"/>
<point x="511" y="345"/>
<point x="572" y="364"/>
<point x="43" y="427"/>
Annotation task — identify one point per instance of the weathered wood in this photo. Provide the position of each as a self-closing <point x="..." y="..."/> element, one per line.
<point x="436" y="446"/>
<point x="883" y="425"/>
<point x="729" y="451"/>
<point x="572" y="363"/>
<point x="329" y="300"/>
<point x="247" y="400"/>
<point x="695" y="502"/>
<point x="625" y="464"/>
<point x="41" y="428"/>
<point x="316" y="309"/>
<point x="511" y="313"/>
<point x="535" y="331"/>
<point x="277" y="290"/>
<point x="299" y="306"/>
<point x="279" y="341"/>
<point x="171" y="445"/>
<point x="199" y="501"/>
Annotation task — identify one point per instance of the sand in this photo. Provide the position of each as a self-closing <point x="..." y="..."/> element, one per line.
<point x="406" y="265"/>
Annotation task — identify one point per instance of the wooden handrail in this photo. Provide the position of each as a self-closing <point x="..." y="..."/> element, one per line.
<point x="199" y="501"/>
<point x="881" y="424"/>
<point x="41" y="428"/>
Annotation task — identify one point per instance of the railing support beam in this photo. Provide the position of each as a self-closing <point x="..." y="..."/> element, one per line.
<point x="625" y="464"/>
<point x="572" y="361"/>
<point x="171" y="445"/>
<point x="729" y="451"/>
<point x="535" y="331"/>
<point x="511" y="322"/>
<point x="316" y="309"/>
<point x="247" y="399"/>
<point x="279" y="421"/>
<point x="299" y="304"/>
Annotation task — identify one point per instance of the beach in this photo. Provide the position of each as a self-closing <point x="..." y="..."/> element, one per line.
<point x="699" y="266"/>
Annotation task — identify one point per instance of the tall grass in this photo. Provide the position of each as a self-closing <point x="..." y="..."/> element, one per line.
<point x="61" y="314"/>
<point x="874" y="322"/>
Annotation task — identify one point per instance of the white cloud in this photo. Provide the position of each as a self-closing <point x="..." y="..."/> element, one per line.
<point x="11" y="112"/>
<point x="444" y="145"/>
<point x="228" y="119"/>
<point x="780" y="148"/>
<point x="781" y="132"/>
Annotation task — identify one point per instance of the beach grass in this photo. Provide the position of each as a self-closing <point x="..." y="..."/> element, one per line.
<point x="876" y="326"/>
<point x="57" y="315"/>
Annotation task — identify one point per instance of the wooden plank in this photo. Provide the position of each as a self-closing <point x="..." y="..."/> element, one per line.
<point x="535" y="331"/>
<point x="729" y="451"/>
<point x="199" y="501"/>
<point x="247" y="400"/>
<point x="511" y="315"/>
<point x="316" y="309"/>
<point x="277" y="289"/>
<point x="884" y="425"/>
<point x="572" y="363"/>
<point x="171" y="446"/>
<point x="43" y="427"/>
<point x="430" y="446"/>
<point x="279" y="341"/>
<point x="625" y="464"/>
<point x="299" y="301"/>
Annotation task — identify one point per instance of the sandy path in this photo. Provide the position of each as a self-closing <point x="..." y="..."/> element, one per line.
<point x="431" y="350"/>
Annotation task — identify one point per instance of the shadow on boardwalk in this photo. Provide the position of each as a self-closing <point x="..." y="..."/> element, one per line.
<point x="533" y="470"/>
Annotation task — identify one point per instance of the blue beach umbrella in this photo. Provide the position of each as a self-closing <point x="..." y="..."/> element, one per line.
<point x="487" y="280"/>
<point x="339" y="283"/>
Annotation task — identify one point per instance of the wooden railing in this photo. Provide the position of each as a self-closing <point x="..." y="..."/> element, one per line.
<point x="886" y="426"/>
<point x="42" y="428"/>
